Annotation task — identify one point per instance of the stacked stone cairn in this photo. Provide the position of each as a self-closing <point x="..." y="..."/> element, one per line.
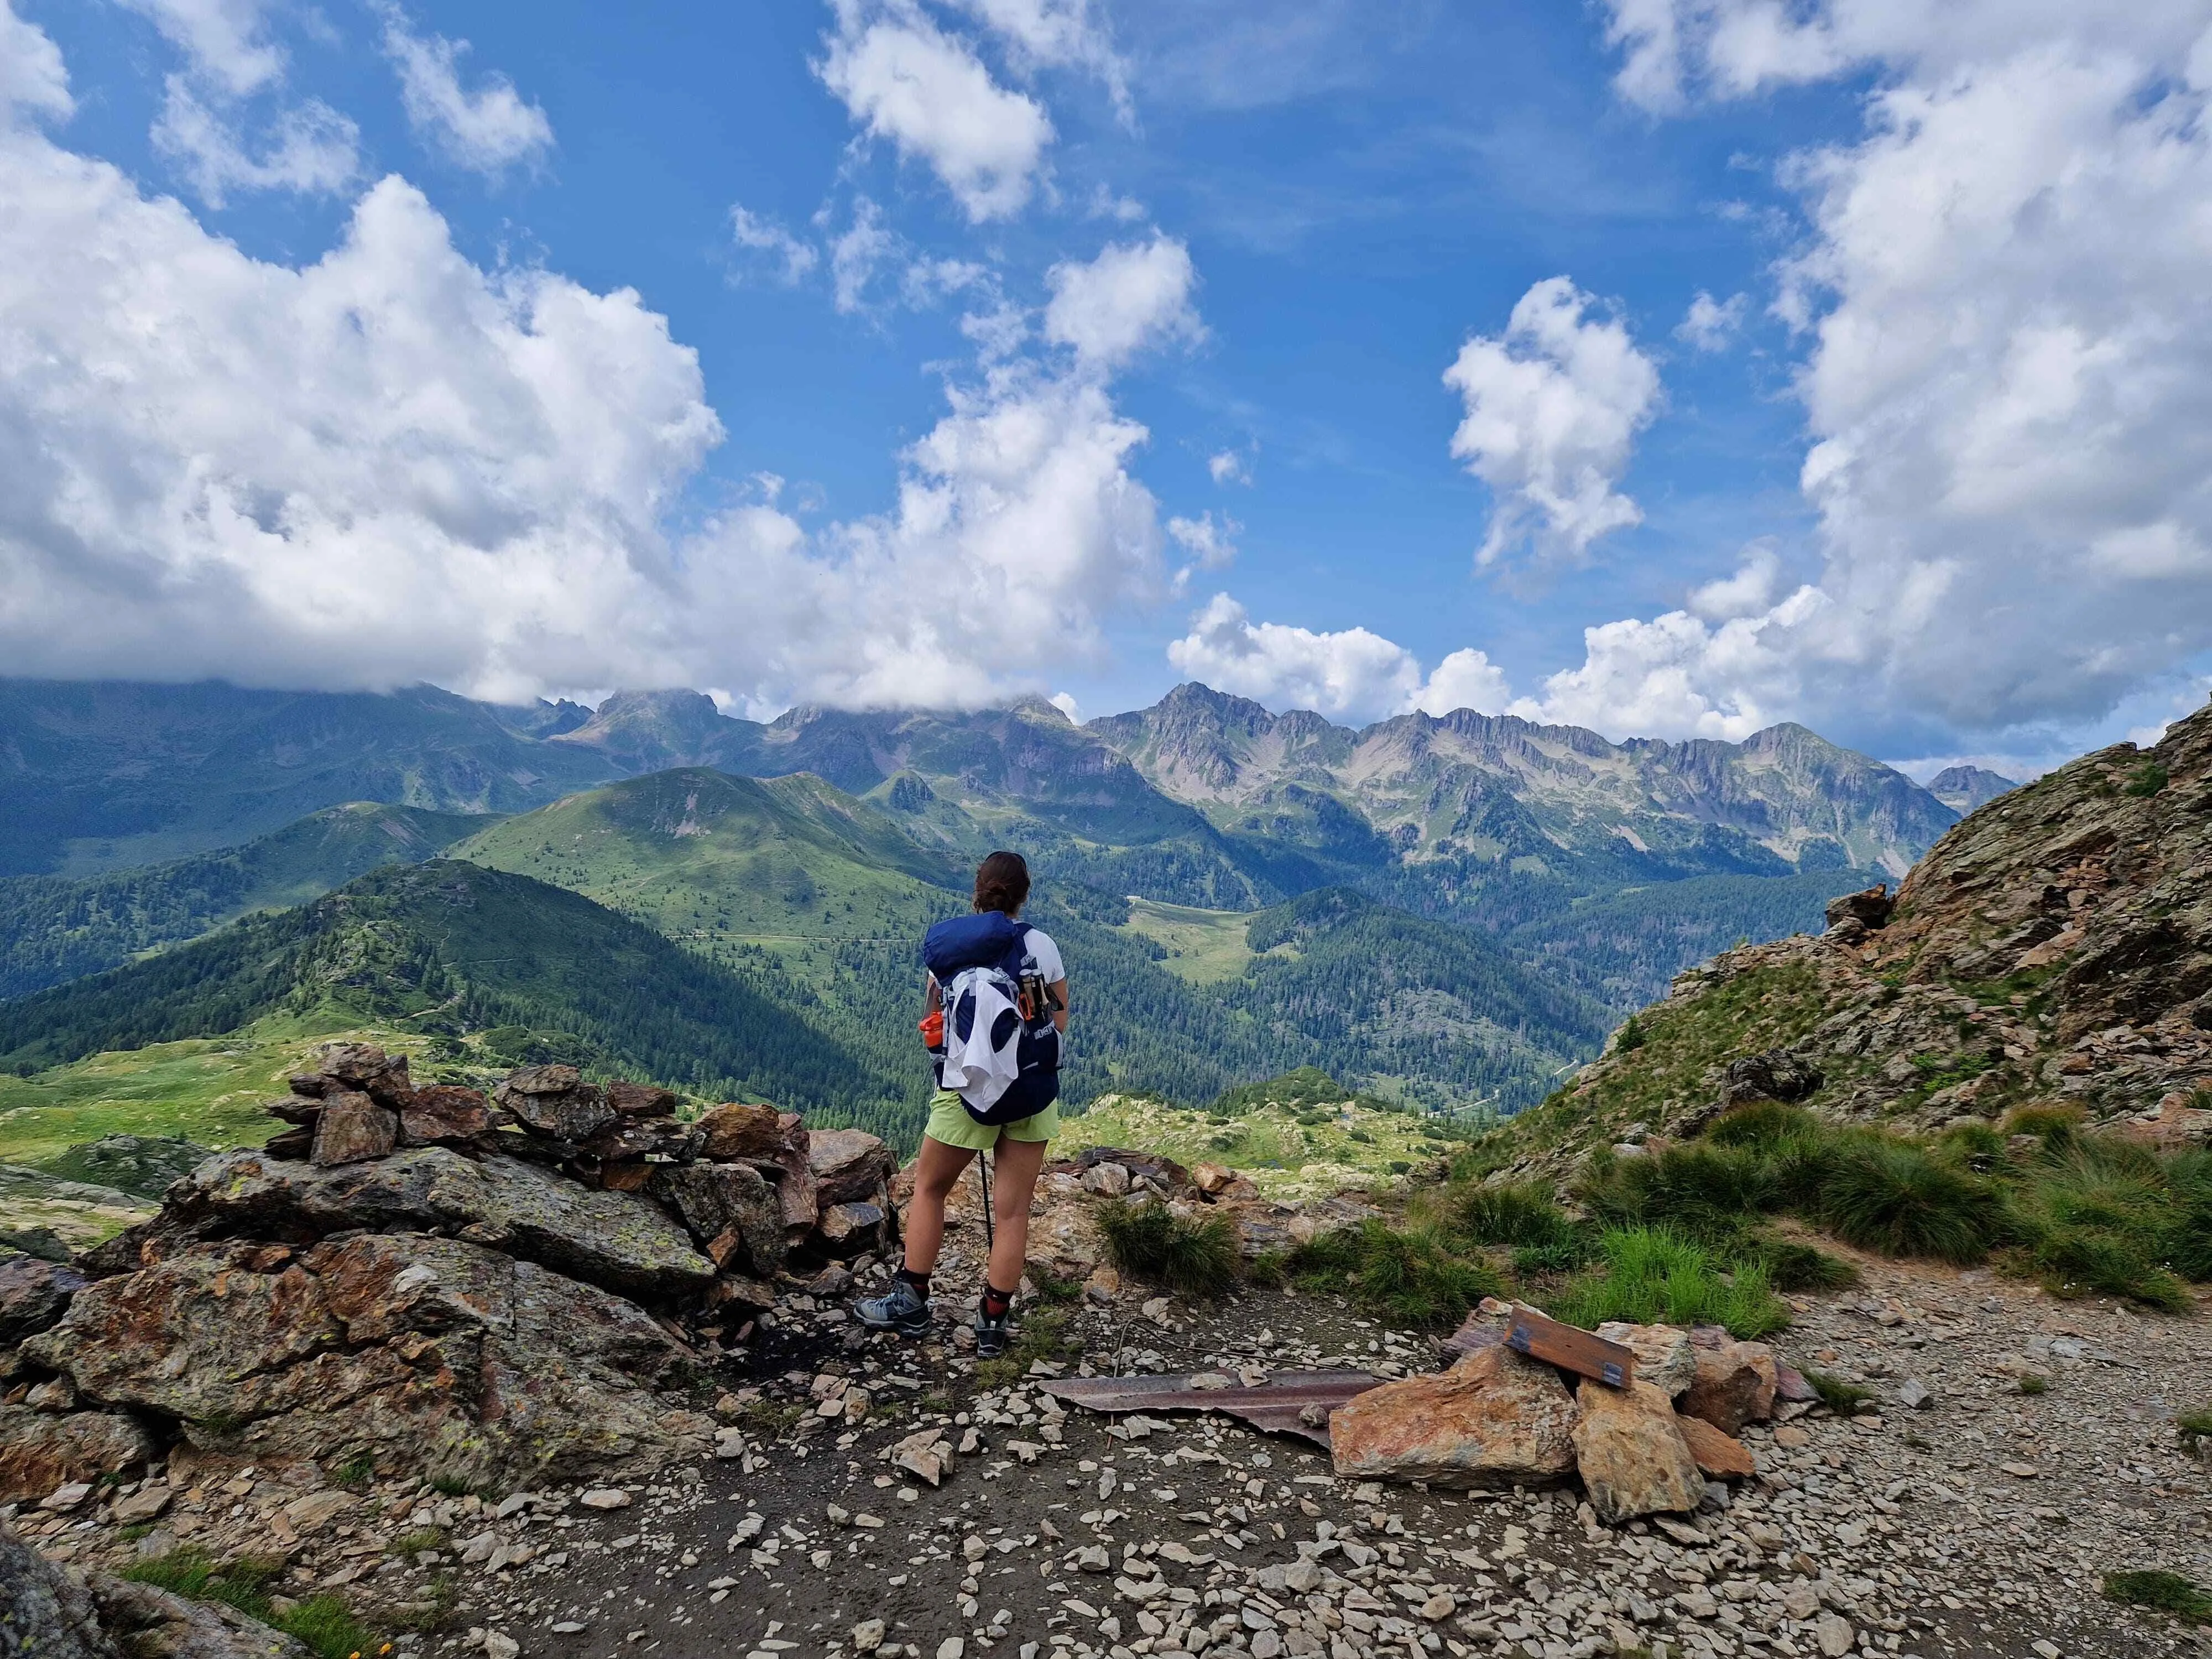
<point x="1496" y="1417"/>
<point x="420" y="1280"/>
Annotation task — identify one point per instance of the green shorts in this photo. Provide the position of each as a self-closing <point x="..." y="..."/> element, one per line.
<point x="948" y="1123"/>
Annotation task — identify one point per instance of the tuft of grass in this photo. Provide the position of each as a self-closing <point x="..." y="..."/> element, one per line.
<point x="1698" y="1188"/>
<point x="1839" y="1396"/>
<point x="1893" y="1196"/>
<point x="1650" y="1275"/>
<point x="415" y="1542"/>
<point x="2195" y="1427"/>
<point x="2098" y="1218"/>
<point x="2165" y="1592"/>
<point x="1053" y="1289"/>
<point x="1415" y="1277"/>
<point x="1792" y="1267"/>
<point x="1041" y="1334"/>
<point x="324" y="1622"/>
<point x="2033" y="1382"/>
<point x="1191" y="1256"/>
<point x="355" y="1472"/>
<point x="2148" y="780"/>
<point x="1520" y="1213"/>
<point x="1767" y="1123"/>
<point x="2057" y="1126"/>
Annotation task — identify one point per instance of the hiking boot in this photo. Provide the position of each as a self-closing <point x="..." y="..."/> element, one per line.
<point x="991" y="1332"/>
<point x="902" y="1309"/>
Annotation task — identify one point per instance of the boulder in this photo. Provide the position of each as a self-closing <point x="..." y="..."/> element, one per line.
<point x="1871" y="908"/>
<point x="556" y="1102"/>
<point x="849" y="1229"/>
<point x="1721" y="1456"/>
<point x="1664" y="1358"/>
<point x="730" y="1210"/>
<point x="352" y="1128"/>
<point x="432" y="1355"/>
<point x="1735" y="1385"/>
<point x="1632" y="1458"/>
<point x="39" y="1450"/>
<point x="775" y="1142"/>
<point x="443" y="1112"/>
<point x="368" y="1068"/>
<point x="147" y="1623"/>
<point x="1777" y="1074"/>
<point x="643" y="1099"/>
<point x="849" y="1166"/>
<point x="32" y="1294"/>
<point x="1493" y="1419"/>
<point x="46" y="1613"/>
<point x="622" y="1242"/>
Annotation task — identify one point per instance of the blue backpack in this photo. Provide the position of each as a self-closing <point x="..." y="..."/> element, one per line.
<point x="976" y="962"/>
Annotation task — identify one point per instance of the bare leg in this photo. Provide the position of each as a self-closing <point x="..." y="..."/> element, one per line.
<point x="935" y="1172"/>
<point x="1014" y="1168"/>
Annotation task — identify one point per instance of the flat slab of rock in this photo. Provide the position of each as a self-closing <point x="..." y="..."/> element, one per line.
<point x="619" y="1241"/>
<point x="443" y="1112"/>
<point x="1632" y="1456"/>
<point x="849" y="1166"/>
<point x="731" y="1210"/>
<point x="556" y="1101"/>
<point x="432" y="1355"/>
<point x="1721" y="1456"/>
<point x="1493" y="1419"/>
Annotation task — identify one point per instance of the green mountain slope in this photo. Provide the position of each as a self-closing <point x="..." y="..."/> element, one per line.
<point x="1624" y="948"/>
<point x="100" y="774"/>
<point x="53" y="929"/>
<point x="445" y="948"/>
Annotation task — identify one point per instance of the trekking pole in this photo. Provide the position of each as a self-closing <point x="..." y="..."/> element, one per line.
<point x="983" y="1171"/>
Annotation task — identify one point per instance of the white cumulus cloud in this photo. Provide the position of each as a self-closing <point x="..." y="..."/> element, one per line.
<point x="1230" y="466"/>
<point x="310" y="147"/>
<point x="1553" y="406"/>
<point x="1351" y="673"/>
<point x="1133" y="296"/>
<point x="1057" y="35"/>
<point x="389" y="465"/>
<point x="224" y="40"/>
<point x="488" y="130"/>
<point x="2007" y="377"/>
<point x="1466" y="678"/>
<point x="906" y="80"/>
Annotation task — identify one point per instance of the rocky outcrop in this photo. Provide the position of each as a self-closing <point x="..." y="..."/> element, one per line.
<point x="2056" y="946"/>
<point x="47" y="1612"/>
<point x="498" y="1292"/>
<point x="414" y="1350"/>
<point x="1493" y="1419"/>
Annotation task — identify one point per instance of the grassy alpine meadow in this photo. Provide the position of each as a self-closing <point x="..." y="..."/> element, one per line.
<point x="207" y="1089"/>
<point x="1287" y="1150"/>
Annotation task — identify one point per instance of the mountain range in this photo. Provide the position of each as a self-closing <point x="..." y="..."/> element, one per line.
<point x="1449" y="910"/>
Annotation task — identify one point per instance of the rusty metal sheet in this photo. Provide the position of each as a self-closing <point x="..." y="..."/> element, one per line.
<point x="1287" y="1402"/>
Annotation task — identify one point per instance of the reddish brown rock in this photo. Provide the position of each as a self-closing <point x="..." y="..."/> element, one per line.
<point x="1723" y="1457"/>
<point x="1493" y="1419"/>
<point x="735" y="1130"/>
<point x="41" y="1451"/>
<point x="849" y="1166"/>
<point x="1735" y="1385"/>
<point x="352" y="1128"/>
<point x="443" y="1112"/>
<point x="556" y="1102"/>
<point x="643" y="1099"/>
<point x="1630" y="1453"/>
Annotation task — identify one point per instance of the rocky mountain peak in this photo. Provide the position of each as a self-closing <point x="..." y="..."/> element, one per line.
<point x="1964" y="788"/>
<point x="647" y="731"/>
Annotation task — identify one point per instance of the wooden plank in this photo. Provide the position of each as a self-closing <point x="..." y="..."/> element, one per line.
<point x="1571" y="1349"/>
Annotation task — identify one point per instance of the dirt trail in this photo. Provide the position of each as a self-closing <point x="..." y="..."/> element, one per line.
<point x="1978" y="1524"/>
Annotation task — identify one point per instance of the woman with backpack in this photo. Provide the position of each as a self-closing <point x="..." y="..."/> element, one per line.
<point x="998" y="1000"/>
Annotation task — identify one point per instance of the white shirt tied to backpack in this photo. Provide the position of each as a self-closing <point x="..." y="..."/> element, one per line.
<point x="1001" y="1045"/>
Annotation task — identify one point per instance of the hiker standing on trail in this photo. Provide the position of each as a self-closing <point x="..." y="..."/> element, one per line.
<point x="997" y="1001"/>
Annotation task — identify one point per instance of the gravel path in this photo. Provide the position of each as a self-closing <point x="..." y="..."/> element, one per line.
<point x="1978" y="1524"/>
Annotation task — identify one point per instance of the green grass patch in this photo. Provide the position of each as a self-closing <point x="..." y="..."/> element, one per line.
<point x="1839" y="1396"/>
<point x="2195" y="1427"/>
<point x="1193" y="1257"/>
<point x="2164" y="1592"/>
<point x="1650" y="1275"/>
<point x="1415" y="1276"/>
<point x="2032" y="1384"/>
<point x="324" y="1622"/>
<point x="1894" y="1196"/>
<point x="1042" y="1333"/>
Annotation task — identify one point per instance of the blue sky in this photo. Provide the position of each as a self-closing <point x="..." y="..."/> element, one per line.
<point x="925" y="350"/>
